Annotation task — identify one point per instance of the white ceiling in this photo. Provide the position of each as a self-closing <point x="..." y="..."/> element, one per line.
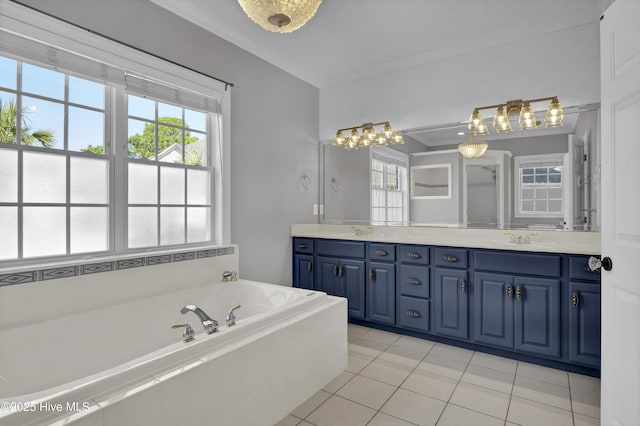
<point x="353" y="39"/>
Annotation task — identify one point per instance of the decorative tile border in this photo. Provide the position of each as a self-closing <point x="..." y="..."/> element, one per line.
<point x="95" y="268"/>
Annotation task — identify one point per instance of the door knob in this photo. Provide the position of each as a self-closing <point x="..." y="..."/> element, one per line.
<point x="594" y="263"/>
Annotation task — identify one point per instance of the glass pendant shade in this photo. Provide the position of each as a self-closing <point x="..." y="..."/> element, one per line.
<point x="339" y="139"/>
<point x="397" y="138"/>
<point x="354" y="137"/>
<point x="527" y="117"/>
<point x="555" y="115"/>
<point x="369" y="134"/>
<point x="501" y="121"/>
<point x="477" y="125"/>
<point x="280" y="16"/>
<point x="472" y="149"/>
<point x="387" y="131"/>
<point x="381" y="139"/>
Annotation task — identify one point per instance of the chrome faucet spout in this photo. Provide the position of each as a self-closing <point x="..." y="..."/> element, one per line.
<point x="210" y="325"/>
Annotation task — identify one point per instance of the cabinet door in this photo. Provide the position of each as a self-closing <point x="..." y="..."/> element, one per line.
<point x="451" y="303"/>
<point x="381" y="292"/>
<point x="537" y="316"/>
<point x="493" y="309"/>
<point x="303" y="271"/>
<point x="584" y="323"/>
<point x="327" y="275"/>
<point x="351" y="286"/>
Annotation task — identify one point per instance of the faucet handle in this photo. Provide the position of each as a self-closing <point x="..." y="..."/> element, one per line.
<point x="231" y="318"/>
<point x="234" y="276"/>
<point x="226" y="276"/>
<point x="187" y="335"/>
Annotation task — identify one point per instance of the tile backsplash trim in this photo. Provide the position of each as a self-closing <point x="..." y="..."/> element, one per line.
<point x="114" y="265"/>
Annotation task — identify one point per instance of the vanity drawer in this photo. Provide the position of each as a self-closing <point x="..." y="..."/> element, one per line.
<point x="384" y="252"/>
<point x="518" y="263"/>
<point x="303" y="245"/>
<point x="578" y="269"/>
<point x="340" y="248"/>
<point x="414" y="281"/>
<point x="414" y="254"/>
<point x="451" y="257"/>
<point x="413" y="313"/>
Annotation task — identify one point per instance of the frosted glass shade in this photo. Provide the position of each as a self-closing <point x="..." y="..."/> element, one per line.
<point x="472" y="149"/>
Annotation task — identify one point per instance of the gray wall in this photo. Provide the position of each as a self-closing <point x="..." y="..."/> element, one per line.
<point x="351" y="169"/>
<point x="274" y="123"/>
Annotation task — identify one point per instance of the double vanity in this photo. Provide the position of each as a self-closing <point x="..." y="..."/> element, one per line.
<point x="519" y="294"/>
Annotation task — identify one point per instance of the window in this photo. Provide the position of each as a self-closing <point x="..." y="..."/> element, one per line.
<point x="388" y="187"/>
<point x="96" y="160"/>
<point x="539" y="185"/>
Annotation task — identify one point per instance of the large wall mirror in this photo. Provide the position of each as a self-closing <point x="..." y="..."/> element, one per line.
<point x="541" y="178"/>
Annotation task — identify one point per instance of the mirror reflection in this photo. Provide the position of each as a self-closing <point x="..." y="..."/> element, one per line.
<point x="544" y="178"/>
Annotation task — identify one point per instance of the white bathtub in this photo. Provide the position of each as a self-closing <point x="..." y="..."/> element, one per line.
<point x="123" y="364"/>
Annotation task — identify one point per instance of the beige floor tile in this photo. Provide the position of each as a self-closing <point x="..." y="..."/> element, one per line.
<point x="451" y="352"/>
<point x="355" y="331"/>
<point x="365" y="391"/>
<point x="387" y="372"/>
<point x="494" y="362"/>
<point x="530" y="413"/>
<point x="489" y="378"/>
<point x="581" y="420"/>
<point x="338" y="382"/>
<point x="367" y="347"/>
<point x="403" y="356"/>
<point x="481" y="399"/>
<point x="311" y="404"/>
<point x="458" y="416"/>
<point x="381" y="336"/>
<point x="357" y="362"/>
<point x="542" y="392"/>
<point x="304" y="423"/>
<point x="443" y="366"/>
<point x="543" y="374"/>
<point x="382" y="419"/>
<point x="584" y="383"/>
<point x="289" y="421"/>
<point x="414" y="408"/>
<point x="585" y="403"/>
<point x="413" y="343"/>
<point x="337" y="411"/>
<point x="429" y="384"/>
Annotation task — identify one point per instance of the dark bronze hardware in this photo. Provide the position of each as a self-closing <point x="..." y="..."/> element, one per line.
<point x="595" y="264"/>
<point x="518" y="293"/>
<point x="303" y="246"/>
<point x="463" y="285"/>
<point x="450" y="258"/>
<point x="335" y="270"/>
<point x="380" y="253"/>
<point x="413" y="314"/>
<point x="371" y="274"/>
<point x="574" y="299"/>
<point x="413" y="281"/>
<point x="413" y="255"/>
<point x="509" y="291"/>
<point x="309" y="266"/>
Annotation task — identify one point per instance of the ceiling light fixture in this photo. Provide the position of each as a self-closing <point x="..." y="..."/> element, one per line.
<point x="472" y="149"/>
<point x="280" y="16"/>
<point x="368" y="136"/>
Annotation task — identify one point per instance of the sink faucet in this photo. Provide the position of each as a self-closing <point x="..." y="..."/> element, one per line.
<point x="210" y="325"/>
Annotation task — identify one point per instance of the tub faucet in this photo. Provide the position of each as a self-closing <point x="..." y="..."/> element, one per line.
<point x="229" y="276"/>
<point x="210" y="325"/>
<point x="231" y="318"/>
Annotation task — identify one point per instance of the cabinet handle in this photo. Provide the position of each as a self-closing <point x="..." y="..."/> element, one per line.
<point x="413" y="255"/>
<point x="413" y="314"/>
<point x="340" y="271"/>
<point x="309" y="266"/>
<point x="303" y="246"/>
<point x="509" y="291"/>
<point x="380" y="253"/>
<point x="574" y="299"/>
<point x="449" y="258"/>
<point x="372" y="275"/>
<point x="413" y="281"/>
<point x="335" y="270"/>
<point x="518" y="293"/>
<point x="463" y="285"/>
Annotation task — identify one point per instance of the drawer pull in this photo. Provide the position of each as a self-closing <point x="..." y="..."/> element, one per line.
<point x="413" y="255"/>
<point x="509" y="291"/>
<point x="309" y="266"/>
<point x="335" y="270"/>
<point x="303" y="246"/>
<point x="380" y="253"/>
<point x="413" y="281"/>
<point x="463" y="285"/>
<point x="413" y="314"/>
<point x="449" y="258"/>
<point x="574" y="299"/>
<point x="340" y="271"/>
<point x="372" y="275"/>
<point x="518" y="293"/>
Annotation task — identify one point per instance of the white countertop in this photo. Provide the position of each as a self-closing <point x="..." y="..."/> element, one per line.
<point x="543" y="241"/>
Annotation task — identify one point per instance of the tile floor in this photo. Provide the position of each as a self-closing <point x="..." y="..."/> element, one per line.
<point x="400" y="380"/>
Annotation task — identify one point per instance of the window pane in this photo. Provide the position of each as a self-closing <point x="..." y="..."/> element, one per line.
<point x="541" y="170"/>
<point x="44" y="178"/>
<point x="89" y="229"/>
<point x="555" y="193"/>
<point x="541" y="194"/>
<point x="555" y="205"/>
<point x="527" y="194"/>
<point x="42" y="81"/>
<point x="9" y="240"/>
<point x="45" y="123"/>
<point x="195" y="120"/>
<point x="89" y="181"/>
<point x="171" y="225"/>
<point x="196" y="152"/>
<point x="171" y="185"/>
<point x="141" y="137"/>
<point x="8" y="177"/>
<point x="198" y="187"/>
<point x="198" y="224"/>
<point x="555" y="178"/>
<point x="541" y="205"/>
<point x="8" y="111"/>
<point x="8" y="73"/>
<point x="376" y="179"/>
<point x="541" y="178"/>
<point x="527" y="206"/>
<point x="169" y="114"/>
<point x="527" y="171"/>
<point x="44" y="231"/>
<point x="141" y="107"/>
<point x="143" y="227"/>
<point x="169" y="144"/>
<point x="527" y="179"/>
<point x="143" y="184"/>
<point x="86" y="130"/>
<point x="85" y="92"/>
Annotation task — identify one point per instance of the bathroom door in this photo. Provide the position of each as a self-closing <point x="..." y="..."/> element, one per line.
<point x="620" y="90"/>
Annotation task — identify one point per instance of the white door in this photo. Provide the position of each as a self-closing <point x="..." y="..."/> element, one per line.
<point x="620" y="75"/>
<point x="574" y="185"/>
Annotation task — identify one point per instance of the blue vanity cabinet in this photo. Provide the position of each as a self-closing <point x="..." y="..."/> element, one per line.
<point x="381" y="292"/>
<point x="303" y="271"/>
<point x="451" y="303"/>
<point x="493" y="309"/>
<point x="413" y="288"/>
<point x="584" y="313"/>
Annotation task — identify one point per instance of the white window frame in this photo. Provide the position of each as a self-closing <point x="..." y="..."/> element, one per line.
<point x="533" y="161"/>
<point x="392" y="157"/>
<point x="446" y="166"/>
<point x="69" y="42"/>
